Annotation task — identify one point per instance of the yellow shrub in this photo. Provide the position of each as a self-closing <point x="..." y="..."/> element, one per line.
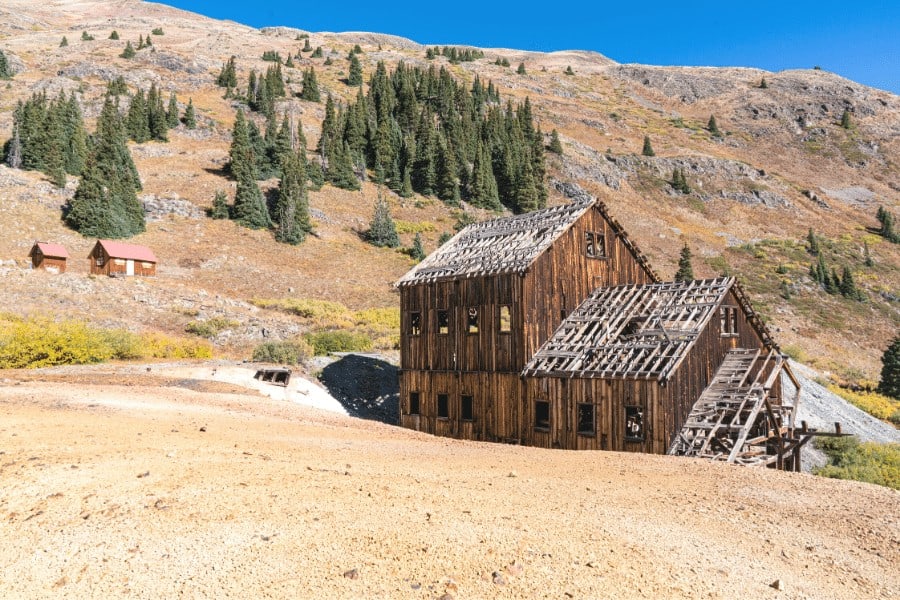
<point x="413" y="226"/>
<point x="160" y="346"/>
<point x="877" y="405"/>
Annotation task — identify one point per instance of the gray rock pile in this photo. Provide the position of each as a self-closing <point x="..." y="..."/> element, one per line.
<point x="157" y="208"/>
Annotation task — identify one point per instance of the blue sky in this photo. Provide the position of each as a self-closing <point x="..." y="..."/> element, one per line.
<point x="858" y="40"/>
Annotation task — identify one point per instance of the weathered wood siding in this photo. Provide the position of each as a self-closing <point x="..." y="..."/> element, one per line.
<point x="118" y="266"/>
<point x="48" y="263"/>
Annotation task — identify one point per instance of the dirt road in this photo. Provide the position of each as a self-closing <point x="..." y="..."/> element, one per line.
<point x="144" y="491"/>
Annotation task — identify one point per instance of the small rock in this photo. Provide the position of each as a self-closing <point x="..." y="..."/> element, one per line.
<point x="351" y="574"/>
<point x="203" y="428"/>
<point x="592" y="564"/>
<point x="778" y="585"/>
<point x="144" y="474"/>
<point x="446" y="596"/>
<point x="513" y="474"/>
<point x="514" y="569"/>
<point x="498" y="578"/>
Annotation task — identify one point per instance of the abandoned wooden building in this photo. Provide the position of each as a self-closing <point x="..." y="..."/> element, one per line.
<point x="550" y="329"/>
<point x="120" y="259"/>
<point x="49" y="257"/>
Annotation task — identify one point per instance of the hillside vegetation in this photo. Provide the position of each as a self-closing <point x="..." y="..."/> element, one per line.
<point x="741" y="172"/>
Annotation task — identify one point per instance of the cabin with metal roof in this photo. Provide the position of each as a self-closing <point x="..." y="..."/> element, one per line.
<point x="551" y="329"/>
<point x="49" y="257"/>
<point x="118" y="259"/>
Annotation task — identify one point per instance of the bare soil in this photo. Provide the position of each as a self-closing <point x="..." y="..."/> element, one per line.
<point x="143" y="488"/>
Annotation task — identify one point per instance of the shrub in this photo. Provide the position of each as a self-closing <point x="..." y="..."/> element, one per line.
<point x="869" y="462"/>
<point x="341" y="340"/>
<point x="287" y="353"/>
<point x="878" y="405"/>
<point x="210" y="327"/>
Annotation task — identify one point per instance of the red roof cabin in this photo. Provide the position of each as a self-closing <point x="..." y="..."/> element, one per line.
<point x="50" y="257"/>
<point x="118" y="259"/>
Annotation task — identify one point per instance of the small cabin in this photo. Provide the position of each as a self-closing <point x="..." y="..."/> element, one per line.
<point x="49" y="257"/>
<point x="118" y="259"/>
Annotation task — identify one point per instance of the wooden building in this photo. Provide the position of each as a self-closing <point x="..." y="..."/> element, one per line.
<point x="120" y="259"/>
<point x="550" y="329"/>
<point x="50" y="257"/>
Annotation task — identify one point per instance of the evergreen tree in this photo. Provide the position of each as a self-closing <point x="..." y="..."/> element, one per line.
<point x="117" y="86"/>
<point x="685" y="269"/>
<point x="382" y="230"/>
<point x="406" y="189"/>
<point x="713" y="127"/>
<point x="317" y="53"/>
<point x="289" y="63"/>
<point x="521" y="69"/>
<point x="129" y="51"/>
<point x="569" y="70"/>
<point x="14" y="151"/>
<point x="890" y="370"/>
<point x="328" y="62"/>
<point x="484" y="185"/>
<point x="141" y="44"/>
<point x="292" y="208"/>
<point x="137" y="123"/>
<point x="249" y="205"/>
<point x="848" y="285"/>
<point x="355" y="76"/>
<point x="228" y="75"/>
<point x="417" y="252"/>
<point x="447" y="184"/>
<point x="172" y="112"/>
<point x="114" y="35"/>
<point x="5" y="70"/>
<point x="868" y="257"/>
<point x="812" y="243"/>
<point x="886" y="218"/>
<point x="527" y="195"/>
<point x="64" y="42"/>
<point x="763" y="85"/>
<point x="190" y="120"/>
<point x="845" y="119"/>
<point x="833" y="282"/>
<point x="86" y="37"/>
<point x="105" y="203"/>
<point x="648" y="149"/>
<point x="219" y="208"/>
<point x="241" y="153"/>
<point x="310" y="90"/>
<point x="340" y="168"/>
<point x="156" y="115"/>
<point x="555" y="145"/>
<point x="306" y="46"/>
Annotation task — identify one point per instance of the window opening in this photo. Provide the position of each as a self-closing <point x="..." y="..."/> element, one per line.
<point x="465" y="408"/>
<point x="728" y="318"/>
<point x="443" y="322"/>
<point x="443" y="406"/>
<point x="542" y="415"/>
<point x="414" y="408"/>
<point x="505" y="319"/>
<point x="415" y="323"/>
<point x="472" y="320"/>
<point x="586" y="423"/>
<point x="634" y="423"/>
<point x="595" y="244"/>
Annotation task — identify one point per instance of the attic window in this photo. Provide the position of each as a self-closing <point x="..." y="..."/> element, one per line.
<point x="586" y="423"/>
<point x="465" y="408"/>
<point x="443" y="406"/>
<point x="594" y="244"/>
<point x="415" y="323"/>
<point x="443" y="322"/>
<point x="634" y="424"/>
<point x="505" y="319"/>
<point x="414" y="403"/>
<point x="728" y="318"/>
<point x="542" y="415"/>
<point x="472" y="320"/>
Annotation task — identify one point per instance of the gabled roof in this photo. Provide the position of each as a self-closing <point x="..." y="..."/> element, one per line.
<point x="632" y="331"/>
<point x="127" y="251"/>
<point x="505" y="245"/>
<point x="510" y="244"/>
<point x="51" y="250"/>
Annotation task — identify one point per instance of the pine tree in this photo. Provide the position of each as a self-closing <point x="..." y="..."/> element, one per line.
<point x="521" y="69"/>
<point x="569" y="70"/>
<point x="685" y="269"/>
<point x="228" y="75"/>
<point x="64" y="42"/>
<point x="114" y="35"/>
<point x="833" y="282"/>
<point x="189" y="119"/>
<point x="306" y="46"/>
<point x="310" y="90"/>
<point x="845" y="119"/>
<point x="219" y="208"/>
<point x="86" y="37"/>
<point x="141" y="44"/>
<point x="14" y="151"/>
<point x="340" y="168"/>
<point x="292" y="208"/>
<point x="417" y="252"/>
<point x="5" y="70"/>
<point x="847" y="285"/>
<point x="317" y="53"/>
<point x="713" y="127"/>
<point x="328" y="62"/>
<point x="172" y="112"/>
<point x="812" y="243"/>
<point x="355" y="76"/>
<point x="241" y="153"/>
<point x="763" y="85"/>
<point x="156" y="115"/>
<point x="555" y="145"/>
<point x="249" y="205"/>
<point x="129" y="51"/>
<point x="890" y="370"/>
<point x="484" y="185"/>
<point x="406" y="189"/>
<point x="382" y="230"/>
<point x="137" y="123"/>
<point x="648" y="149"/>
<point x="447" y="184"/>
<point x="868" y="257"/>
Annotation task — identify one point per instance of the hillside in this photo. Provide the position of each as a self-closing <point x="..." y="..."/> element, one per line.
<point x="124" y="483"/>
<point x="783" y="164"/>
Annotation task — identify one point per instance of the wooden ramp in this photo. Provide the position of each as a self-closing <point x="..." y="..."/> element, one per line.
<point x="735" y="419"/>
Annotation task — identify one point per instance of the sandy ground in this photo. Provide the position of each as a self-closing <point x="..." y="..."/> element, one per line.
<point x="133" y="488"/>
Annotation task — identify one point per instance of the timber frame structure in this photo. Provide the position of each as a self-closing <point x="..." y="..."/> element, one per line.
<point x="551" y="329"/>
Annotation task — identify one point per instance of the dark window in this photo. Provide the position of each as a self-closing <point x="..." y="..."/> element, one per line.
<point x="594" y="244"/>
<point x="443" y="322"/>
<point x="465" y="408"/>
<point x="415" y="323"/>
<point x="634" y="423"/>
<point x="472" y="320"/>
<point x="542" y="415"/>
<point x="562" y="314"/>
<point x="586" y="425"/>
<point x="414" y="403"/>
<point x="443" y="401"/>
<point x="505" y="319"/>
<point x="728" y="318"/>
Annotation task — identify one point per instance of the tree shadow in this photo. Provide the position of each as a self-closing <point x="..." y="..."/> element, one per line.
<point x="366" y="387"/>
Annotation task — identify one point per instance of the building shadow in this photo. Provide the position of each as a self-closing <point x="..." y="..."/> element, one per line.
<point x="367" y="387"/>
